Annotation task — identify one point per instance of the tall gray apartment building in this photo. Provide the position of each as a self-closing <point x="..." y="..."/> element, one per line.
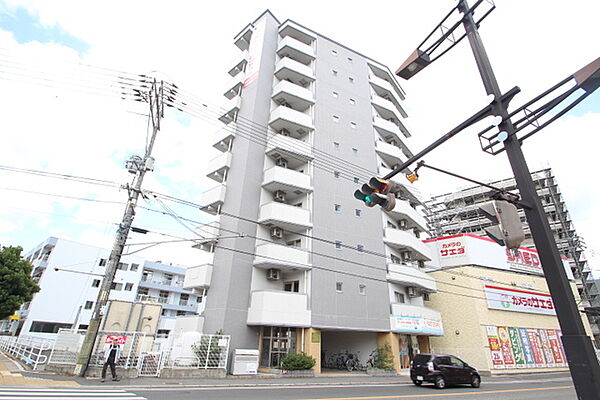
<point x="458" y="212"/>
<point x="308" y="121"/>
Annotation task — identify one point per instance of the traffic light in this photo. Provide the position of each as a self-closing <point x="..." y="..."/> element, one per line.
<point x="508" y="230"/>
<point x="378" y="192"/>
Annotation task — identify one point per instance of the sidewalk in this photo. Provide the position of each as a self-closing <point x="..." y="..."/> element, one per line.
<point x="11" y="374"/>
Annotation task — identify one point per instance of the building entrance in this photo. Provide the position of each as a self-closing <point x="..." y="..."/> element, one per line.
<point x="277" y="343"/>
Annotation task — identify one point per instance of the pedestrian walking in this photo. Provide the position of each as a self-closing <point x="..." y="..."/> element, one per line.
<point x="112" y="353"/>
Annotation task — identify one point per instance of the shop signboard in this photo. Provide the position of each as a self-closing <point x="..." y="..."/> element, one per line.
<point x="417" y="324"/>
<point x="499" y="298"/>
<point x="495" y="351"/>
<point x="512" y="347"/>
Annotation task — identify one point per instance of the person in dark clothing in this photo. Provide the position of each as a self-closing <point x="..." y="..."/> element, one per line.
<point x="111" y="355"/>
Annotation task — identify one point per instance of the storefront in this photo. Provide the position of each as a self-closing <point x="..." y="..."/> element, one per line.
<point x="497" y="312"/>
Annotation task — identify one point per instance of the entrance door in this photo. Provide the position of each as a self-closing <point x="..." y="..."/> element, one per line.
<point x="277" y="343"/>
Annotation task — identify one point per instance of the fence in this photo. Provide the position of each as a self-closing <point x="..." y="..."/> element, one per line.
<point x="194" y="350"/>
<point x="31" y="350"/>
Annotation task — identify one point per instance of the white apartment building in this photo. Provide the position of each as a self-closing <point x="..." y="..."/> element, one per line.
<point x="69" y="275"/>
<point x="309" y="120"/>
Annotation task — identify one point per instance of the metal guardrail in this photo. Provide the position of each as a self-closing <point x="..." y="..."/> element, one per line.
<point x="28" y="349"/>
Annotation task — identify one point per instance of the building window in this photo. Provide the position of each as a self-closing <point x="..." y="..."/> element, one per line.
<point x="333" y="72"/>
<point x="88" y="305"/>
<point x="122" y="266"/>
<point x="48" y="327"/>
<point x="338" y="244"/>
<point x="116" y="286"/>
<point x="335" y="95"/>
<point x="336" y="174"/>
<point x="352" y="101"/>
<point x="294" y="243"/>
<point x="354" y="151"/>
<point x="335" y="118"/>
<point x="426" y="296"/>
<point x="128" y="287"/>
<point x="339" y="287"/>
<point x="357" y="212"/>
<point x="143" y="291"/>
<point x="353" y="125"/>
<point x="134" y="267"/>
<point x="336" y="145"/>
<point x="183" y="299"/>
<point x="180" y="313"/>
<point x="355" y="179"/>
<point x="96" y="283"/>
<point x="399" y="297"/>
<point x="350" y="79"/>
<point x="102" y="262"/>
<point x="395" y="259"/>
<point x="293" y="286"/>
<point x="337" y="207"/>
<point x="163" y="296"/>
<point x="362" y="289"/>
<point x="334" y="52"/>
<point x="360" y="248"/>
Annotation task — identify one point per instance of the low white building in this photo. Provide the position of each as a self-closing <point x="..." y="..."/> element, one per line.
<point x="69" y="275"/>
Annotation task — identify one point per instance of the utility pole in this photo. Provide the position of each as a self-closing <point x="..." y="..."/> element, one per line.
<point x="139" y="167"/>
<point x="578" y="346"/>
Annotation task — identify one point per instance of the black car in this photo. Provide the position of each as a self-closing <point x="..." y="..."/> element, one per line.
<point x="442" y="370"/>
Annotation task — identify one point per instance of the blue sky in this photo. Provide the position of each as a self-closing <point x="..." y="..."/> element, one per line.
<point x="26" y="27"/>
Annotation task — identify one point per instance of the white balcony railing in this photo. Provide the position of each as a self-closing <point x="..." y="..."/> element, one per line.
<point x="387" y="129"/>
<point x="295" y="122"/>
<point x="279" y="308"/>
<point x="218" y="167"/>
<point x="234" y="86"/>
<point x="223" y="138"/>
<point x="385" y="106"/>
<point x="272" y="255"/>
<point x="198" y="276"/>
<point x="404" y="240"/>
<point x="403" y="210"/>
<point x="238" y="64"/>
<point x="295" y="49"/>
<point x="286" y="68"/>
<point x="230" y="110"/>
<point x="409" y="275"/>
<point x="284" y="215"/>
<point x="297" y="97"/>
<point x="279" y="178"/>
<point x="212" y="199"/>
<point x="408" y="318"/>
<point x="280" y="146"/>
<point x="390" y="153"/>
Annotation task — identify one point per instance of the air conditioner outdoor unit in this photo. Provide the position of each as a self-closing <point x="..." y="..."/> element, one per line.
<point x="412" y="291"/>
<point x="281" y="162"/>
<point x="279" y="196"/>
<point x="405" y="256"/>
<point x="284" y="132"/>
<point x="276" y="232"/>
<point x="273" y="274"/>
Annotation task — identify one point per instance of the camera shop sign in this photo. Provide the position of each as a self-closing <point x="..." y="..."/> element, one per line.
<point x="524" y="260"/>
<point x="519" y="300"/>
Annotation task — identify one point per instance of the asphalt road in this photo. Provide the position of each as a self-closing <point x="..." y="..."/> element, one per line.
<point x="502" y="389"/>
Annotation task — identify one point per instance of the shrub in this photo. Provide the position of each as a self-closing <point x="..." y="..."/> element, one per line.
<point x="383" y="358"/>
<point x="294" y="362"/>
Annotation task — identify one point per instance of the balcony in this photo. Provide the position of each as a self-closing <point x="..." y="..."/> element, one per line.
<point x="223" y="139"/>
<point x="406" y="188"/>
<point x="218" y="167"/>
<point x="409" y="275"/>
<point x="403" y="210"/>
<point x="407" y="318"/>
<point x="295" y="122"/>
<point x="387" y="129"/>
<point x="234" y="87"/>
<point x="386" y="108"/>
<point x="295" y="49"/>
<point x="299" y="98"/>
<point x="404" y="240"/>
<point x="295" y="151"/>
<point x="198" y="276"/>
<point x="288" y="69"/>
<point x="297" y="32"/>
<point x="288" y="180"/>
<point x="242" y="40"/>
<point x="272" y="255"/>
<point x="278" y="308"/>
<point x="285" y="216"/>
<point x="212" y="199"/>
<point x="239" y="63"/>
<point x="391" y="154"/>
<point x="230" y="110"/>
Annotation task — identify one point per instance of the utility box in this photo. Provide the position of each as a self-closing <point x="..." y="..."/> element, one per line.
<point x="245" y="362"/>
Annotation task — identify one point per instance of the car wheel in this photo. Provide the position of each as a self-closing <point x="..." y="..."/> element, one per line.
<point x="440" y="382"/>
<point x="475" y="381"/>
<point x="418" y="383"/>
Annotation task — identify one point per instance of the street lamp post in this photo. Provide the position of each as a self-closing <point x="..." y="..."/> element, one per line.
<point x="583" y="364"/>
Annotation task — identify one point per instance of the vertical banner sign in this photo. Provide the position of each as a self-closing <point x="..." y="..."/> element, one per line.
<point x="527" y="348"/>
<point x="496" y="353"/>
<point x="562" y="349"/>
<point x="537" y="348"/>
<point x="546" y="348"/>
<point x="515" y="343"/>
<point x="507" y="355"/>
<point x="555" y="347"/>
<point x="255" y="52"/>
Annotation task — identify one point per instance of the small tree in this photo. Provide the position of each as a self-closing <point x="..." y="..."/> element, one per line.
<point x="294" y="362"/>
<point x="207" y="349"/>
<point x="16" y="285"/>
<point x="383" y="358"/>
